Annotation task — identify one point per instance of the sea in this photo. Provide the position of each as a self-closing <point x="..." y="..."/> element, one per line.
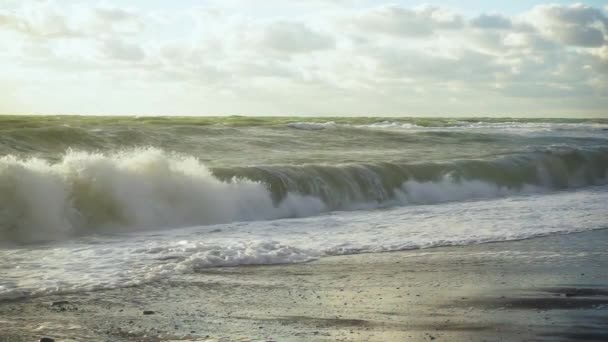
<point x="90" y="203"/>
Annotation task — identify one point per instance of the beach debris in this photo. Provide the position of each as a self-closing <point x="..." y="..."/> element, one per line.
<point x="60" y="303"/>
<point x="46" y="339"/>
<point x="149" y="312"/>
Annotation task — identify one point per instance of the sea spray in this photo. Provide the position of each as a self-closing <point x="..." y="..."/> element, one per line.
<point x="127" y="191"/>
<point x="110" y="261"/>
<point x="146" y="189"/>
<point x="112" y="193"/>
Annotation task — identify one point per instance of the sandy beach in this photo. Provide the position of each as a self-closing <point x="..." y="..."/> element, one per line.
<point x="302" y="171"/>
<point x="543" y="289"/>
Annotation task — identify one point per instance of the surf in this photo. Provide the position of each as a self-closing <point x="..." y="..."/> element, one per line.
<point x="147" y="188"/>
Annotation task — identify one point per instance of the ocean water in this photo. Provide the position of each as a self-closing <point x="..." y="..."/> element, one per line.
<point x="98" y="202"/>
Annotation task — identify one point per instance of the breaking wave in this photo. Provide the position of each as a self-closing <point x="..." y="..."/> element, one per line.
<point x="311" y="126"/>
<point x="141" y="189"/>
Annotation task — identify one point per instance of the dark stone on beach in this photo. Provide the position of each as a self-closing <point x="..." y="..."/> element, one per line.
<point x="149" y="312"/>
<point x="578" y="291"/>
<point x="46" y="339"/>
<point x="60" y="302"/>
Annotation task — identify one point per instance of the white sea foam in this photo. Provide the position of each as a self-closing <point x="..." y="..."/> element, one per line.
<point x="148" y="189"/>
<point x="448" y="190"/>
<point x="586" y="130"/>
<point x="390" y="125"/>
<point x="113" y="261"/>
<point x="127" y="191"/>
<point x="117" y="218"/>
<point x="311" y="126"/>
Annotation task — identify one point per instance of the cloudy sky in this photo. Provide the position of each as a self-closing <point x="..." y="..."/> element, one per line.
<point x="304" y="57"/>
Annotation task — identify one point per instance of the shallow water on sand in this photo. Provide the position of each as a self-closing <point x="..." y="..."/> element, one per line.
<point x="116" y="260"/>
<point x="89" y="203"/>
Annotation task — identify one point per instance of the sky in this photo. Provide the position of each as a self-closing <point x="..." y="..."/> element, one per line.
<point x="304" y="57"/>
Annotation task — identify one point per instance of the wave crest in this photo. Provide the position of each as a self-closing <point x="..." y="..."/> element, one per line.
<point x="149" y="189"/>
<point x="140" y="189"/>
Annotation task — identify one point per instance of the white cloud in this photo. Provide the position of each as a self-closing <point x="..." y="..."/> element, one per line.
<point x="113" y="20"/>
<point x="491" y="21"/>
<point x="113" y="14"/>
<point x="43" y="20"/>
<point x="405" y="22"/>
<point x="577" y="25"/>
<point x="384" y="59"/>
<point x="294" y="37"/>
<point x="123" y="51"/>
<point x="48" y="20"/>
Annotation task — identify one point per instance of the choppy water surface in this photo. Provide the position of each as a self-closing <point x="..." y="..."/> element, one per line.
<point x="101" y="202"/>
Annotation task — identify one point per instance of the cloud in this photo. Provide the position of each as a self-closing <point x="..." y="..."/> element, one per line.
<point x="491" y="21"/>
<point x="363" y="57"/>
<point x="576" y="25"/>
<point x="48" y="20"/>
<point x="113" y="14"/>
<point x="405" y="22"/>
<point x="114" y="20"/>
<point x="466" y="66"/>
<point x="122" y="51"/>
<point x="40" y="21"/>
<point x="580" y="36"/>
<point x="294" y="37"/>
<point x="527" y="42"/>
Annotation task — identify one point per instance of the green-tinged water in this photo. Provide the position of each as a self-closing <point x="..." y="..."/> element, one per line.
<point x="80" y="195"/>
<point x="239" y="141"/>
<point x="82" y="173"/>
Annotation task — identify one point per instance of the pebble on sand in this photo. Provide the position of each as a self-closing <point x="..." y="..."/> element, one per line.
<point x="60" y="302"/>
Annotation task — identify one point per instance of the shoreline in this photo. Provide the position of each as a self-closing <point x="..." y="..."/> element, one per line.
<point x="545" y="288"/>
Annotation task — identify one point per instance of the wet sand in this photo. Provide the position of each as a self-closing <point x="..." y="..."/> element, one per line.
<point x="544" y="289"/>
